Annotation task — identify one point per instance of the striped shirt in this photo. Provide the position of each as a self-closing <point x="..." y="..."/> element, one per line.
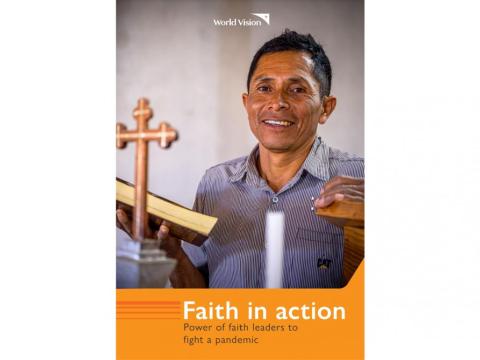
<point x="235" y="193"/>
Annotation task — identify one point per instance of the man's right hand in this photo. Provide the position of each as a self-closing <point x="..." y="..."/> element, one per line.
<point x="169" y="243"/>
<point x="124" y="222"/>
<point x="184" y="275"/>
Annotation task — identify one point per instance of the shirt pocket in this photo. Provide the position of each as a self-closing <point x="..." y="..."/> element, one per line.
<point x="316" y="259"/>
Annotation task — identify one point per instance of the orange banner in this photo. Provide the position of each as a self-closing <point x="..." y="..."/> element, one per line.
<point x="242" y="323"/>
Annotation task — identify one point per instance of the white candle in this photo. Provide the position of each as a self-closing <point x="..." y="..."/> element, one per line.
<point x="274" y="249"/>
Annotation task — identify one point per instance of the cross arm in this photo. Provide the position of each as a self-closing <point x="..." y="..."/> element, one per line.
<point x="165" y="135"/>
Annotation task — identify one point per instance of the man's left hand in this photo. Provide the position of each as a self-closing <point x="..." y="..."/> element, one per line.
<point x="341" y="188"/>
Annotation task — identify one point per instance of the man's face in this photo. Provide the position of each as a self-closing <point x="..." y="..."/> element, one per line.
<point x="283" y="104"/>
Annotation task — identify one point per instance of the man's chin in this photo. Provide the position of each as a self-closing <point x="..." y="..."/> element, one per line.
<point x="276" y="147"/>
<point x="285" y="145"/>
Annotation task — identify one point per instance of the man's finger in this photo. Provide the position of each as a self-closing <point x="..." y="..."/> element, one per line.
<point x="124" y="221"/>
<point x="343" y="180"/>
<point x="166" y="223"/>
<point x="330" y="199"/>
<point x="325" y="201"/>
<point x="346" y="190"/>
<point x="163" y="232"/>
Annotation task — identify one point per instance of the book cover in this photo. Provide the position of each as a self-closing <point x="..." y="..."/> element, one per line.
<point x="191" y="60"/>
<point x="185" y="223"/>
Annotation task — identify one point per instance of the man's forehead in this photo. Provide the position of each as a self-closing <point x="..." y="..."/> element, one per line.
<point x="295" y="62"/>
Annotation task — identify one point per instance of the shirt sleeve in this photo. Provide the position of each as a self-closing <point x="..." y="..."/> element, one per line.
<point x="197" y="254"/>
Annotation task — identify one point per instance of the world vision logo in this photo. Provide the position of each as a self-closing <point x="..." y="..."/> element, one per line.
<point x="244" y="22"/>
<point x="264" y="17"/>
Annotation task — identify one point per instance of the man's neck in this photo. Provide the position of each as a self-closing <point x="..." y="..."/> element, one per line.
<point x="278" y="168"/>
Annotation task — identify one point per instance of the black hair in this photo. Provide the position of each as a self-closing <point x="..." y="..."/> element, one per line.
<point x="291" y="40"/>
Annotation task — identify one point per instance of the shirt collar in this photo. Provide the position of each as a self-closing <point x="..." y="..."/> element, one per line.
<point x="249" y="168"/>
<point x="315" y="164"/>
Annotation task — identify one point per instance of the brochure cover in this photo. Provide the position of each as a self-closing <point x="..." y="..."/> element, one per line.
<point x="250" y="112"/>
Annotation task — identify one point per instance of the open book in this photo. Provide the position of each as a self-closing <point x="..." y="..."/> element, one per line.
<point x="187" y="224"/>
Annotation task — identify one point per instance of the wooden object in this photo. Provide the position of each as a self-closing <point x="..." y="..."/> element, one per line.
<point x="165" y="135"/>
<point x="351" y="216"/>
<point x="186" y="224"/>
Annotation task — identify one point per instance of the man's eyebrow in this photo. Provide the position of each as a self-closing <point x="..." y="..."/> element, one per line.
<point x="298" y="79"/>
<point x="292" y="79"/>
<point x="262" y="78"/>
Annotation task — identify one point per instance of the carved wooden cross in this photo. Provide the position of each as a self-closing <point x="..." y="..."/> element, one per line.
<point x="142" y="135"/>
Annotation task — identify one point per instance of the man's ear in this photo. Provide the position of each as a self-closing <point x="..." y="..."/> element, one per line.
<point x="329" y="103"/>
<point x="245" y="99"/>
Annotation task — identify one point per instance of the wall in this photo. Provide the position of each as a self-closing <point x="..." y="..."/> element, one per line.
<point x="194" y="74"/>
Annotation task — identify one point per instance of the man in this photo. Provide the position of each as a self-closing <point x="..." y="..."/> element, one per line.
<point x="288" y="96"/>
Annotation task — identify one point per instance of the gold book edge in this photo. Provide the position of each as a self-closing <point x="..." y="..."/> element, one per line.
<point x="167" y="210"/>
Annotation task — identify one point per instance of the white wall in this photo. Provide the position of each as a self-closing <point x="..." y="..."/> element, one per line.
<point x="194" y="74"/>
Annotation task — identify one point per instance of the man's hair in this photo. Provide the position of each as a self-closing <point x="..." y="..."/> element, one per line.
<point x="291" y="40"/>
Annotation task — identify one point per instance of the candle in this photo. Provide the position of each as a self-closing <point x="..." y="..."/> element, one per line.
<point x="274" y="249"/>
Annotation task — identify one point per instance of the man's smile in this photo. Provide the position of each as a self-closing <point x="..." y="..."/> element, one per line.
<point x="277" y="123"/>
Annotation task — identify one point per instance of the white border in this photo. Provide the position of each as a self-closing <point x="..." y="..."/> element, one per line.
<point x="58" y="86"/>
<point x="57" y="179"/>
<point x="423" y="178"/>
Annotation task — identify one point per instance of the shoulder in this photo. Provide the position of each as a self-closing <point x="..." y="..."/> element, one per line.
<point x="339" y="155"/>
<point x="216" y="181"/>
<point x="225" y="171"/>
<point x="344" y="163"/>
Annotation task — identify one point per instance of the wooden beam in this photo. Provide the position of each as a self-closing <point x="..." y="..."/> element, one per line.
<point x="351" y="216"/>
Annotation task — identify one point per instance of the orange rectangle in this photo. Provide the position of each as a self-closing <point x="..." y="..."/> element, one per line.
<point x="310" y="332"/>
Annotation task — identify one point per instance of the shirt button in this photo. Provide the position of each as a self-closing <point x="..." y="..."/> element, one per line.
<point x="275" y="199"/>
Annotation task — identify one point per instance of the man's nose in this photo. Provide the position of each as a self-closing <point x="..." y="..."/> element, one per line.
<point x="278" y="102"/>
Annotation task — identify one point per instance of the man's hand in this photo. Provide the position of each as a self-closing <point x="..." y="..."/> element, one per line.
<point x="184" y="275"/>
<point x="124" y="222"/>
<point x="341" y="188"/>
<point x="170" y="244"/>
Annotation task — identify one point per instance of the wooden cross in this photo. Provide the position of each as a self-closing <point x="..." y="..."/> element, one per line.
<point x="165" y="135"/>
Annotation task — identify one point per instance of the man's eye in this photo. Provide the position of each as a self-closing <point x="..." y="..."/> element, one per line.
<point x="298" y="90"/>
<point x="263" y="88"/>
